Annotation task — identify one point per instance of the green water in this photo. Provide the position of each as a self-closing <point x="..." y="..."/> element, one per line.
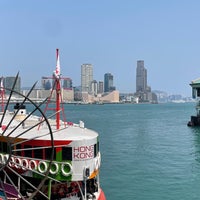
<point x="148" y="152"/>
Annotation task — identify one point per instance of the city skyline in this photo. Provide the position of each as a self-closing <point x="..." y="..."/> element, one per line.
<point x="112" y="35"/>
<point x="68" y="81"/>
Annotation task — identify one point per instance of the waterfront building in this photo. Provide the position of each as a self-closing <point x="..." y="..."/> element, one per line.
<point x="111" y="97"/>
<point x="86" y="77"/>
<point x="77" y="93"/>
<point x="195" y="119"/>
<point x="41" y="94"/>
<point x="45" y="83"/>
<point x="108" y="82"/>
<point x="67" y="83"/>
<point x="9" y="81"/>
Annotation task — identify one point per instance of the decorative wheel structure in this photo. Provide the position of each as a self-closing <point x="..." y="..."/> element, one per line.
<point x="26" y="147"/>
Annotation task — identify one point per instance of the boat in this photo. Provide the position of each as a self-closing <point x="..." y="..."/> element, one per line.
<point x="42" y="155"/>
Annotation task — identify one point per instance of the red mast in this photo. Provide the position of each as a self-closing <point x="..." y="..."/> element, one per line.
<point x="58" y="93"/>
<point x="58" y="89"/>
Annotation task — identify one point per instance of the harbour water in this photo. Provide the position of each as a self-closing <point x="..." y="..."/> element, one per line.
<point x="148" y="151"/>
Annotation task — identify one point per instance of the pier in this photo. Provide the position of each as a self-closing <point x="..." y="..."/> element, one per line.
<point x="195" y="120"/>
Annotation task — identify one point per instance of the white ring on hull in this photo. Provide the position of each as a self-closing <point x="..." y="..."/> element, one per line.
<point x="42" y="167"/>
<point x="54" y="171"/>
<point x="66" y="172"/>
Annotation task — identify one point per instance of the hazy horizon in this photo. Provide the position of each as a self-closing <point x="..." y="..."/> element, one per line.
<point x="111" y="35"/>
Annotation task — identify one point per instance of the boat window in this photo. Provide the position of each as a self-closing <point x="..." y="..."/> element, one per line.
<point x="1" y="146"/>
<point x="48" y="152"/>
<point x="18" y="147"/>
<point x="38" y="152"/>
<point x="96" y="149"/>
<point x="5" y="147"/>
<point x="27" y="153"/>
<point x="66" y="153"/>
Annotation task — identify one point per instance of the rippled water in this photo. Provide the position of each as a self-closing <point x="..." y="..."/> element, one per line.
<point x="148" y="152"/>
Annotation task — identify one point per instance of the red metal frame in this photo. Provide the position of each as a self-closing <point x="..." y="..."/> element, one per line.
<point x="57" y="88"/>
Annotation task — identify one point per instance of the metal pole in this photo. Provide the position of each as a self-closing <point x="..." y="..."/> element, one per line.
<point x="85" y="187"/>
<point x="49" y="189"/>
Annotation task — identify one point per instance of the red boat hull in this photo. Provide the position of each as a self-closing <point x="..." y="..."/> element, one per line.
<point x="102" y="196"/>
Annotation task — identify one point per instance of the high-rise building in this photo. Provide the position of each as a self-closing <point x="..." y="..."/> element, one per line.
<point x="67" y="83"/>
<point x="141" y="77"/>
<point x="9" y="81"/>
<point x="86" y="77"/>
<point x="100" y="87"/>
<point x="94" y="87"/>
<point x="108" y="82"/>
<point x="143" y="91"/>
<point x="46" y="83"/>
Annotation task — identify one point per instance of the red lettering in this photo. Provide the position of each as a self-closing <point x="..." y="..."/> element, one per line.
<point x="89" y="148"/>
<point x="82" y="155"/>
<point x="76" y="156"/>
<point x="82" y="149"/>
<point x="83" y="152"/>
<point x="76" y="149"/>
<point x="87" y="155"/>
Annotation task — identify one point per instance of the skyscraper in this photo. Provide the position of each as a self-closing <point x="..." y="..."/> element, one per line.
<point x="108" y="82"/>
<point x="94" y="87"/>
<point x="143" y="91"/>
<point x="100" y="87"/>
<point x="141" y="77"/>
<point x="86" y="77"/>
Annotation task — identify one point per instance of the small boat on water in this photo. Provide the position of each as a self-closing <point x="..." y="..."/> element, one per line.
<point x="46" y="157"/>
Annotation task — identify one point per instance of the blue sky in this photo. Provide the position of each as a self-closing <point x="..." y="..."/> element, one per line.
<point x="110" y="34"/>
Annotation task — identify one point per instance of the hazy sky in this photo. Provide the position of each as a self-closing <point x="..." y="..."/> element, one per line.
<point x="110" y="34"/>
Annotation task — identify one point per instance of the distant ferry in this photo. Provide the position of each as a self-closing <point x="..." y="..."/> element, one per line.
<point x="46" y="157"/>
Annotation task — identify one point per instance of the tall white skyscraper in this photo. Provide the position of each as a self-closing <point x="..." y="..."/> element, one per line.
<point x="86" y="77"/>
